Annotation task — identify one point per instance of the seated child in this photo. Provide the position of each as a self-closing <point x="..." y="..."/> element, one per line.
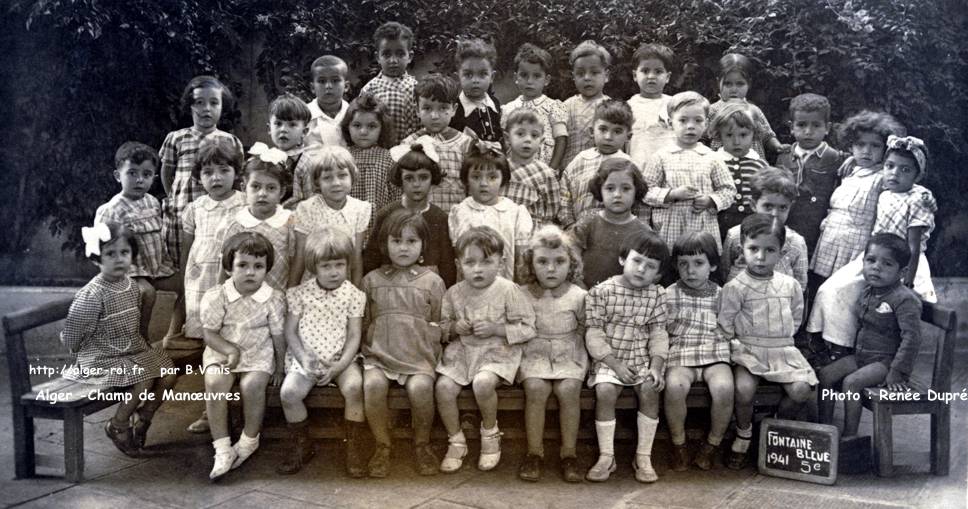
<point x="478" y="110"/>
<point x="589" y="63"/>
<point x="328" y="108"/>
<point x="394" y="86"/>
<point x="652" y="129"/>
<point x="733" y="126"/>
<point x="735" y="78"/>
<point x="533" y="183"/>
<point x="533" y="68"/>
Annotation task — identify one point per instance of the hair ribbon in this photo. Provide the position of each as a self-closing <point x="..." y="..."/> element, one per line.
<point x="93" y="237"/>
<point x="427" y="145"/>
<point x="268" y="155"/>
<point x="913" y="145"/>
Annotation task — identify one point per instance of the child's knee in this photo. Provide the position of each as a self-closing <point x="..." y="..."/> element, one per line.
<point x="351" y="387"/>
<point x="253" y="385"/>
<point x="446" y="388"/>
<point x="568" y="388"/>
<point x="420" y="387"/>
<point x="485" y="382"/>
<point x="606" y="392"/>
<point x="799" y="391"/>
<point x="375" y="384"/>
<point x="537" y="388"/>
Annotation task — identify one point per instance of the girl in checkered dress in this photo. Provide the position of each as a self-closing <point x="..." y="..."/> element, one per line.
<point x="369" y="132"/>
<point x="697" y="349"/>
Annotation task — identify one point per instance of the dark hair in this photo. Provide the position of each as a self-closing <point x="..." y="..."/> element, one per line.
<point x="476" y="48"/>
<point x="735" y="62"/>
<point x="203" y="81"/>
<point x="759" y="224"/>
<point x="277" y="171"/>
<point x="396" y="222"/>
<point x="118" y="231"/>
<point x="551" y="237"/>
<point x="696" y="243"/>
<point x="484" y="237"/>
<point x="534" y="55"/>
<point x="393" y="31"/>
<point x="773" y="180"/>
<point x="866" y="121"/>
<point x="436" y="87"/>
<point x="327" y="242"/>
<point x="590" y="48"/>
<point x="809" y="103"/>
<point x="736" y="112"/>
<point x="289" y="108"/>
<point x="657" y="51"/>
<point x="250" y="243"/>
<point x="137" y="153"/>
<point x="217" y="150"/>
<point x="647" y="244"/>
<point x="327" y="61"/>
<point x="368" y="103"/>
<point x="520" y="116"/>
<point x="614" y="111"/>
<point x="478" y="157"/>
<point x="614" y="165"/>
<point x="414" y="160"/>
<point x="896" y="245"/>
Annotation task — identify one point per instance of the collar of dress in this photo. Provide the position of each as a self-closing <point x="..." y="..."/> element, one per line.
<point x="277" y="220"/>
<point x="261" y="295"/>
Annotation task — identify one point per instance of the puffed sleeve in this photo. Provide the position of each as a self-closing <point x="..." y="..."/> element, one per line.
<point x="302" y="219"/>
<point x="654" y="175"/>
<point x="730" y="301"/>
<point x="558" y="118"/>
<point x="82" y="318"/>
<point x="763" y="129"/>
<point x="277" y="313"/>
<point x="655" y="326"/>
<point x="357" y="304"/>
<point x="908" y="313"/>
<point x="188" y="218"/>
<point x="294" y="300"/>
<point x="923" y="209"/>
<point x="213" y="308"/>
<point x="520" y="316"/>
<point x="168" y="153"/>
<point x="724" y="190"/>
<point x="595" y="317"/>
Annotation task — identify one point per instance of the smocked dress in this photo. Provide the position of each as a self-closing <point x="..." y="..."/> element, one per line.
<point x="247" y="321"/>
<point x="558" y="349"/>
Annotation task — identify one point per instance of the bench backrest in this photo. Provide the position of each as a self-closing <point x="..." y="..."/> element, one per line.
<point x="14" y="326"/>
<point x="946" y="320"/>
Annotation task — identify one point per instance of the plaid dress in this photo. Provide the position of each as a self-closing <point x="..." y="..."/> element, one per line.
<point x="178" y="153"/>
<point x="629" y="323"/>
<point x="323" y="315"/>
<point x="576" y="197"/>
<point x="580" y="117"/>
<point x="694" y="336"/>
<point x="102" y="331"/>
<point x="510" y="220"/>
<point x="143" y="218"/>
<point x="697" y="167"/>
<point x="202" y="219"/>
<point x="277" y="228"/>
<point x="372" y="168"/>
<point x="792" y="262"/>
<point x="761" y="126"/>
<point x="535" y="186"/>
<point x="551" y="114"/>
<point x="847" y="227"/>
<point x="450" y="191"/>
<point x="247" y="321"/>
<point x="558" y="350"/>
<point x="398" y="96"/>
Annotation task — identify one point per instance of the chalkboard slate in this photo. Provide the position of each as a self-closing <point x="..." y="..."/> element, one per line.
<point x="803" y="451"/>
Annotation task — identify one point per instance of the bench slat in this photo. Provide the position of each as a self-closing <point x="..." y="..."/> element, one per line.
<point x="29" y="318"/>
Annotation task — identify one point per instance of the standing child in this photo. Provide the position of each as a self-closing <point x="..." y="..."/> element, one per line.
<point x="688" y="185"/>
<point x="102" y="332"/>
<point x="533" y="183"/>
<point x="485" y="318"/>
<point x="334" y="173"/>
<point x="733" y="126"/>
<point x="328" y="108"/>
<point x="243" y="321"/>
<point x="436" y="104"/>
<point x="288" y="125"/>
<point x="555" y="359"/>
<point x="598" y="236"/>
<point x="402" y="342"/>
<point x="323" y="330"/>
<point x="533" y="68"/>
<point x="611" y="128"/>
<point x="697" y="349"/>
<point x="478" y="110"/>
<point x="652" y="129"/>
<point x="485" y="174"/>
<point x="394" y="86"/>
<point x="626" y="337"/>
<point x="415" y="171"/>
<point x="589" y="67"/>
<point x="735" y="78"/>
<point x="759" y="312"/>
<point x="367" y="128"/>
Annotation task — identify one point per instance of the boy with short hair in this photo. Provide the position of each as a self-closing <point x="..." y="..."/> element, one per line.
<point x="329" y="107"/>
<point x="478" y="110"/>
<point x="589" y="67"/>
<point x="533" y="184"/>
<point x="652" y="129"/>
<point x="394" y="86"/>
<point x="733" y="126"/>
<point x="533" y="68"/>
<point x="289" y="120"/>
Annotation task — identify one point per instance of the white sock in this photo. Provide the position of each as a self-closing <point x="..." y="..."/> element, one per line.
<point x="457" y="438"/>
<point x="646" y="427"/>
<point x="605" y="430"/>
<point x="489" y="432"/>
<point x="246" y="439"/>
<point x="222" y="444"/>
<point x="743" y="438"/>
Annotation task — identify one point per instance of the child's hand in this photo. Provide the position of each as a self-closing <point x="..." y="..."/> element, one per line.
<point x="783" y="148"/>
<point x="232" y="359"/>
<point x="683" y="193"/>
<point x="896" y="381"/>
<point x="488" y="329"/>
<point x="463" y="327"/>
<point x="702" y="203"/>
<point x="626" y="375"/>
<point x="655" y="379"/>
<point x="277" y="378"/>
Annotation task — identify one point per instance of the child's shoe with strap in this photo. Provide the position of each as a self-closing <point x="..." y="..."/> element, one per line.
<point x="245" y="447"/>
<point x="456" y="450"/>
<point x="490" y="449"/>
<point x="602" y="468"/>
<point x="643" y="469"/>
<point x="225" y="456"/>
<point x="122" y="439"/>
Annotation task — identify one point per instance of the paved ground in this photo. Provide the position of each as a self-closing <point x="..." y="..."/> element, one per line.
<point x="174" y="472"/>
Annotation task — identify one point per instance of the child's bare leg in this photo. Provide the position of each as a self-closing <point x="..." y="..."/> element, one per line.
<point x="217" y="408"/>
<point x="375" y="387"/>
<point x="350" y="383"/>
<point x="485" y="386"/>
<point x="745" y="384"/>
<point x="158" y="386"/>
<point x="867" y="376"/>
<point x="176" y="285"/>
<point x="679" y="380"/>
<point x="797" y="393"/>
<point x="830" y="375"/>
<point x="148" y="295"/>
<point x="568" y="392"/>
<point x="420" y="390"/>
<point x="536" y="392"/>
<point x="295" y="388"/>
<point x="129" y="405"/>
<point x="252" y="385"/>
<point x="719" y="380"/>
<point x="447" y="390"/>
<point x="606" y="395"/>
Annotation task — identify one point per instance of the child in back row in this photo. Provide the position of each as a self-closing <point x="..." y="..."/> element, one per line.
<point x="394" y="86"/>
<point x="328" y="108"/>
<point x="533" y="183"/>
<point x="478" y="111"/>
<point x="652" y="129"/>
<point x="288" y="125"/>
<point x="589" y="67"/>
<point x="735" y="78"/>
<point x="733" y="126"/>
<point x="533" y="68"/>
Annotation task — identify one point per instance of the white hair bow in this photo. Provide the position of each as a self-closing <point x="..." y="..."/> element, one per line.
<point x="93" y="237"/>
<point x="268" y="155"/>
<point x="424" y="144"/>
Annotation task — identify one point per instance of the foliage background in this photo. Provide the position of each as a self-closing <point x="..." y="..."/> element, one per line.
<point x="82" y="76"/>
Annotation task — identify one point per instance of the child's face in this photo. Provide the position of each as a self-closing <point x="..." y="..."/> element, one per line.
<point x="590" y="76"/>
<point x="434" y="115"/>
<point x="525" y="139"/>
<point x="484" y="185"/>
<point x="217" y="179"/>
<point x="475" y="77"/>
<point x="404" y="250"/>
<point x="618" y="193"/>
<point x="761" y="254"/>
<point x="416" y="184"/>
<point x="331" y="273"/>
<point x="694" y="270"/>
<point x="809" y="128"/>
<point x="900" y="173"/>
<point x="393" y="56"/>
<point x="248" y="272"/>
<point x="880" y="268"/>
<point x="365" y="129"/>
<point x="609" y="137"/>
<point x="689" y="124"/>
<point x="135" y="179"/>
<point x="116" y="257"/>
<point x="737" y="140"/>
<point x="550" y="266"/>
<point x="334" y="184"/>
<point x="868" y="149"/>
<point x="652" y="77"/>
<point x="287" y="134"/>
<point x="531" y="79"/>
<point x="773" y="204"/>
<point x="479" y="271"/>
<point x="733" y="86"/>
<point x="638" y="270"/>
<point x="262" y="193"/>
<point x="329" y="84"/>
<point x="206" y="107"/>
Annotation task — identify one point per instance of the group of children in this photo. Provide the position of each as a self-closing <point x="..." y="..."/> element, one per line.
<point x="426" y="236"/>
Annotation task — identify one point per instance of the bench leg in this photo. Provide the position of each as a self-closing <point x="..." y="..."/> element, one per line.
<point x="73" y="445"/>
<point x="23" y="443"/>
<point x="884" y="439"/>
<point x="940" y="440"/>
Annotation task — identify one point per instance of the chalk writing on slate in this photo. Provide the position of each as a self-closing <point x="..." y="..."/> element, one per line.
<point x="799" y="450"/>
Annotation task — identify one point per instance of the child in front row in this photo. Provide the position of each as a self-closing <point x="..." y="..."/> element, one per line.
<point x="328" y="108"/>
<point x="555" y="359"/>
<point x="697" y="349"/>
<point x="652" y="129"/>
<point x="243" y="321"/>
<point x="589" y="63"/>
<point x="759" y="312"/>
<point x="478" y="110"/>
<point x="733" y="126"/>
<point x="533" y="183"/>
<point x="625" y="319"/>
<point x="323" y="330"/>
<point x="485" y="318"/>
<point x="889" y="335"/>
<point x="394" y="86"/>
<point x="533" y="68"/>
